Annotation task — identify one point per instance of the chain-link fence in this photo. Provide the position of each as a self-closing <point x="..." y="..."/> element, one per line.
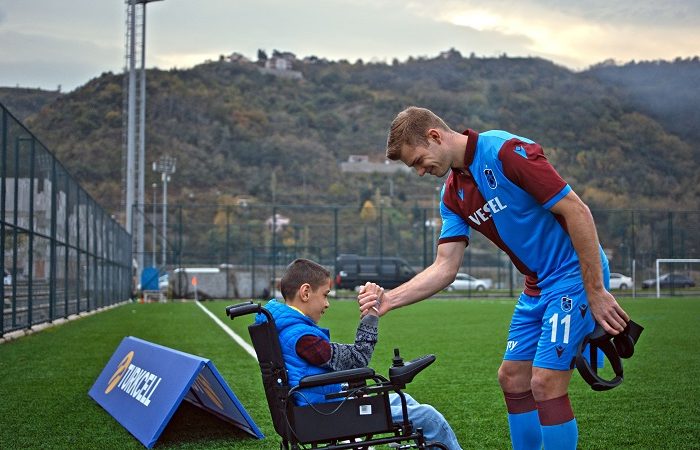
<point x="252" y="243"/>
<point x="62" y="253"/>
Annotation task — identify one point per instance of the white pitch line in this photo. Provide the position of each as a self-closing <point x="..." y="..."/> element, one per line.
<point x="246" y="346"/>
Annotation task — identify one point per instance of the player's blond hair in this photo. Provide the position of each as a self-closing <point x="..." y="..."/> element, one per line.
<point x="410" y="127"/>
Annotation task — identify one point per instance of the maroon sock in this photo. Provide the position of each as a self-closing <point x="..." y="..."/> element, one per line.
<point x="520" y="403"/>
<point x="555" y="411"/>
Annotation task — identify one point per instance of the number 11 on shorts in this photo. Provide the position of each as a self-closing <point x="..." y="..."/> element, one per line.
<point x="566" y="321"/>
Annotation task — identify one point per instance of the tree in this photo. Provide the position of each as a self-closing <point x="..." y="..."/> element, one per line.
<point x="368" y="212"/>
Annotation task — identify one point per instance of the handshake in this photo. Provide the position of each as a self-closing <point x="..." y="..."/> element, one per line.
<point x="370" y="299"/>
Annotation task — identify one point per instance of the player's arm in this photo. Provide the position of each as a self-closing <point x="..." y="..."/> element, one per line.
<point x="433" y="279"/>
<point x="525" y="164"/>
<point x="582" y="231"/>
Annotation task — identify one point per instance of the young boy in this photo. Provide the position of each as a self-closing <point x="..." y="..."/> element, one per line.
<point x="307" y="349"/>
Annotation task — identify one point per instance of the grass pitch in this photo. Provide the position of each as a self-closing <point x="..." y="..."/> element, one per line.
<point x="45" y="377"/>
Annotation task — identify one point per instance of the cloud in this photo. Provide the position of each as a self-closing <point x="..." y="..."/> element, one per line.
<point x="573" y="34"/>
<point x="380" y="29"/>
<point x="90" y="34"/>
<point x="45" y="60"/>
<point x="683" y="13"/>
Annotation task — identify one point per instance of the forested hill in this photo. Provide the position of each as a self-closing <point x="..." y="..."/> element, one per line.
<point x="238" y="131"/>
<point x="667" y="91"/>
<point x="23" y="102"/>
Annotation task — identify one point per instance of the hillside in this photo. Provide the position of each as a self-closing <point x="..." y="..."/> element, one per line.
<point x="23" y="102"/>
<point x="235" y="130"/>
<point x="666" y="91"/>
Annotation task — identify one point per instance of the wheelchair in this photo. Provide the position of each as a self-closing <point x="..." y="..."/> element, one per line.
<point x="356" y="418"/>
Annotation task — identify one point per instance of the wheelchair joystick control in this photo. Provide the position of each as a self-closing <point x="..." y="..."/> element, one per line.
<point x="397" y="360"/>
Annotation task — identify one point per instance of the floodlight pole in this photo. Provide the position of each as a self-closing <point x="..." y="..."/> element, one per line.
<point x="132" y="157"/>
<point x="141" y="185"/>
<point x="433" y="222"/>
<point x="131" y="119"/>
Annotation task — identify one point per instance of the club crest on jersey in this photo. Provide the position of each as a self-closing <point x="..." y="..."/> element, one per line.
<point x="566" y="303"/>
<point x="490" y="178"/>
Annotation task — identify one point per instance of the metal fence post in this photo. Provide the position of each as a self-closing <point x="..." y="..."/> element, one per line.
<point x="95" y="275"/>
<point x="335" y="239"/>
<point x="3" y="207"/>
<point x="15" y="230"/>
<point x="274" y="247"/>
<point x="78" y="277"/>
<point x="252" y="271"/>
<point x="670" y="244"/>
<point x="381" y="233"/>
<point x="114" y="267"/>
<point x="66" y="270"/>
<point x="180" y="233"/>
<point x="425" y="239"/>
<point x="30" y="275"/>
<point x="226" y="257"/>
<point x="88" y="259"/>
<point x="52" y="251"/>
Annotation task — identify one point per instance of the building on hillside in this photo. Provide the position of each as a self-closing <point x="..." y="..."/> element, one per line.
<point x="281" y="65"/>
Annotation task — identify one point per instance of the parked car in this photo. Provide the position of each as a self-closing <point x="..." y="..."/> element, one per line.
<point x="668" y="280"/>
<point x="465" y="282"/>
<point x="619" y="281"/>
<point x="388" y="272"/>
<point x="163" y="282"/>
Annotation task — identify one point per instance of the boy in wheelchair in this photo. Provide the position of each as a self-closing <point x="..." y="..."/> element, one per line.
<point x="307" y="349"/>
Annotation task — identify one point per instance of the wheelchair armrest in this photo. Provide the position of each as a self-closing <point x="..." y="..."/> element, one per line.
<point x="341" y="376"/>
<point x="402" y="375"/>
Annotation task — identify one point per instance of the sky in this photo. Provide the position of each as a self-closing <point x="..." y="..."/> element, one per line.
<point x="52" y="43"/>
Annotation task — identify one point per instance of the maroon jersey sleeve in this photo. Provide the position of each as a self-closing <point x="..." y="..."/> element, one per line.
<point x="526" y="166"/>
<point x="314" y="350"/>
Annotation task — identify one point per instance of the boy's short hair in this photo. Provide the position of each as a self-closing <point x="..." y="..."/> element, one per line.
<point x="302" y="271"/>
<point x="410" y="127"/>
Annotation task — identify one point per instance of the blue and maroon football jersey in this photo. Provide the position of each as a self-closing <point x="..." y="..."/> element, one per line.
<point x="505" y="191"/>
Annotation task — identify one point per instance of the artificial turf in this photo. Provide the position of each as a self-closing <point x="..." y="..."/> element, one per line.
<point x="45" y="377"/>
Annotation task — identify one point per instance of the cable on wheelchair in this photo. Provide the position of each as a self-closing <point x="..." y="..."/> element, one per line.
<point x="340" y="404"/>
<point x="301" y="394"/>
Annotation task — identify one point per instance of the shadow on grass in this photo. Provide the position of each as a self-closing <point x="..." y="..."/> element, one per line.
<point x="192" y="425"/>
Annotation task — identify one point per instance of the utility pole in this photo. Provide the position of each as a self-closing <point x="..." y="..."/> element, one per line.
<point x="153" y="224"/>
<point x="166" y="167"/>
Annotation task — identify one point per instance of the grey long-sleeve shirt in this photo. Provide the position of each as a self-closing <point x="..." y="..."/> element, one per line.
<point x="336" y="356"/>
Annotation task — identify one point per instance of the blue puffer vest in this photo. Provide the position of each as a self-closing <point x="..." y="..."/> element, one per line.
<point x="291" y="326"/>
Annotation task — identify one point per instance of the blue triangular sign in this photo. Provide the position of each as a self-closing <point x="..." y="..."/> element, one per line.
<point x="144" y="383"/>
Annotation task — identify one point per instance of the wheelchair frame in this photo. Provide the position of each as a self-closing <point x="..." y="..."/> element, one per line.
<point x="359" y="417"/>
